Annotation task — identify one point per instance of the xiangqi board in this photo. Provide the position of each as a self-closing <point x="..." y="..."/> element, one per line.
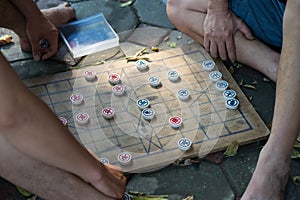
<point x="152" y="142"/>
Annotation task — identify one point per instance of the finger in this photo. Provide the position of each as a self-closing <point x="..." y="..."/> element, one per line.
<point x="213" y="49"/>
<point x="231" y="50"/>
<point x="51" y="51"/>
<point x="245" y="30"/>
<point x="222" y="50"/>
<point x="206" y="43"/>
<point x="36" y="52"/>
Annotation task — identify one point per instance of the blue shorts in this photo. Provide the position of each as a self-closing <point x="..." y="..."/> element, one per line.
<point x="263" y="17"/>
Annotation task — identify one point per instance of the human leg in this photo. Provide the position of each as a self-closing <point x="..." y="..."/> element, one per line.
<point x="23" y="119"/>
<point x="43" y="180"/>
<point x="271" y="174"/>
<point x="188" y="16"/>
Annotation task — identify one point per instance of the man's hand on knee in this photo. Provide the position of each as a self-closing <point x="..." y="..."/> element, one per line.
<point x="219" y="29"/>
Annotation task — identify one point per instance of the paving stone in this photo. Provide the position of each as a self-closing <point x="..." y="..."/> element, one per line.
<point x="129" y="49"/>
<point x="121" y="19"/>
<point x="177" y="38"/>
<point x="109" y="55"/>
<point x="64" y="55"/>
<point x="204" y="181"/>
<point x="30" y="68"/>
<point x="263" y="97"/>
<point x="13" y="51"/>
<point x="43" y="4"/>
<point x="153" y="12"/>
<point x="148" y="36"/>
<point x="239" y="169"/>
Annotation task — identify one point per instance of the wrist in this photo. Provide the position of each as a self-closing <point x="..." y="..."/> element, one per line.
<point x="29" y="9"/>
<point x="217" y="6"/>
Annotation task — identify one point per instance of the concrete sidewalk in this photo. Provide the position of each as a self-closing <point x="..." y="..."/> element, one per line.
<point x="214" y="178"/>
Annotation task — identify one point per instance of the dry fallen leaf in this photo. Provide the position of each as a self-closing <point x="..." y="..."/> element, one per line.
<point x="254" y="82"/>
<point x="189" y="198"/>
<point x="155" y="49"/>
<point x="138" y="56"/>
<point x="237" y="65"/>
<point x="249" y="86"/>
<point x="297" y="144"/>
<point x="166" y="38"/>
<point x="5" y="39"/>
<point x="241" y="82"/>
<point x="296" y="180"/>
<point x="295" y="154"/>
<point x="128" y="3"/>
<point x="231" y="149"/>
<point x="141" y="196"/>
<point x="140" y="52"/>
<point x="231" y="69"/>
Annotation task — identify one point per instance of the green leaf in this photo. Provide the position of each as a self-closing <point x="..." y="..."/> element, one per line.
<point x="128" y="3"/>
<point x="296" y="180"/>
<point x="295" y="154"/>
<point x="231" y="149"/>
<point x="298" y="137"/>
<point x="24" y="192"/>
<point x="297" y="144"/>
<point x="172" y="44"/>
<point x="231" y="69"/>
<point x="241" y="82"/>
<point x="239" y="66"/>
<point x="254" y="82"/>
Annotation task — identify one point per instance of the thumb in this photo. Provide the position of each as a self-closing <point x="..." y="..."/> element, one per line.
<point x="243" y="28"/>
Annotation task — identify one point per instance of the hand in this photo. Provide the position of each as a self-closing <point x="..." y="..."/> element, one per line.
<point x="219" y="29"/>
<point x="40" y="28"/>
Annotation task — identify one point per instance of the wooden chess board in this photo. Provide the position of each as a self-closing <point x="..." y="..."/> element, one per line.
<point x="152" y="144"/>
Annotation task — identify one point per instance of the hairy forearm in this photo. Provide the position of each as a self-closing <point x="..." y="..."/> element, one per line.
<point x="286" y="122"/>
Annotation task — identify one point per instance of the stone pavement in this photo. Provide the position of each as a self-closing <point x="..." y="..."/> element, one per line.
<point x="145" y="24"/>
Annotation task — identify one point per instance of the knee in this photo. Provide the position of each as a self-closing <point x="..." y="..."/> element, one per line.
<point x="174" y="10"/>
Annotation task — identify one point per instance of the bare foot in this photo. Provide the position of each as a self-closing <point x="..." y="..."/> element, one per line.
<point x="270" y="177"/>
<point x="58" y="15"/>
<point x="112" y="182"/>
